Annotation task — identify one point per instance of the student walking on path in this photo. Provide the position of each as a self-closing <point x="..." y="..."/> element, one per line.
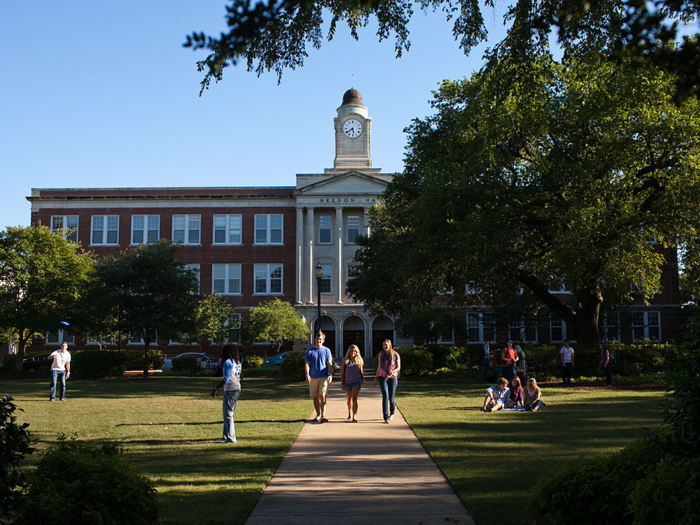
<point x="318" y="365"/>
<point x="352" y="378"/>
<point x="388" y="378"/>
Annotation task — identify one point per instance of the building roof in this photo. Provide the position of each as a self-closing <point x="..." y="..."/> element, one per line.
<point x="352" y="97"/>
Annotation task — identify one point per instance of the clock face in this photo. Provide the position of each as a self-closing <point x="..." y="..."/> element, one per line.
<point x="352" y="128"/>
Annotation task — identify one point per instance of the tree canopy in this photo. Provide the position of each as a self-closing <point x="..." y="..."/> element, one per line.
<point x="42" y="277"/>
<point x="274" y="321"/>
<point x="534" y="176"/>
<point x="273" y="35"/>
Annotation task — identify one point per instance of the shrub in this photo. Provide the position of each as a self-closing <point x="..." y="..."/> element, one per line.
<point x="669" y="494"/>
<point x="595" y="491"/>
<point x="263" y="371"/>
<point x="293" y="366"/>
<point x="92" y="364"/>
<point x="8" y="362"/>
<point x="134" y="359"/>
<point x="14" y="446"/>
<point x="188" y="364"/>
<point x="252" y="361"/>
<point x="87" y="483"/>
<point x="682" y="410"/>
<point x="416" y="361"/>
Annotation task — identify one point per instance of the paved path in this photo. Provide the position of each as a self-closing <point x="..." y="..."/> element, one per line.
<point x="366" y="472"/>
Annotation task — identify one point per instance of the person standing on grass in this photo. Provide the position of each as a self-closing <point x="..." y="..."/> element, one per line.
<point x="388" y="378"/>
<point x="605" y="363"/>
<point x="567" y="362"/>
<point x="510" y="358"/>
<point x="486" y="359"/>
<point x="352" y="378"/>
<point x="232" y="390"/>
<point x="60" y="371"/>
<point x="318" y="365"/>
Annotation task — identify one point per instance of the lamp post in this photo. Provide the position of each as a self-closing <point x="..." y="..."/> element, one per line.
<point x="318" y="272"/>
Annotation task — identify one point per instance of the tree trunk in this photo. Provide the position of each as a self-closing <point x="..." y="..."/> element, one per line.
<point x="21" y="343"/>
<point x="145" y="361"/>
<point x="587" y="315"/>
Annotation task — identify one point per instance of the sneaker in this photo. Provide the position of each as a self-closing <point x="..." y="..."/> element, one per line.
<point x="221" y="440"/>
<point x="391" y="417"/>
<point x="226" y="441"/>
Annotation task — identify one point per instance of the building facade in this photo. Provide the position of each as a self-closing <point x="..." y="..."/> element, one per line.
<point x="253" y="244"/>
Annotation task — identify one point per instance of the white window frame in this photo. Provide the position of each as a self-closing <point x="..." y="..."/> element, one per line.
<point x="267" y="270"/>
<point x="64" y="227"/>
<point x="522" y="328"/>
<point x="603" y="327"/>
<point x="227" y="338"/>
<point x="325" y="228"/>
<point x="563" y="288"/>
<point x="229" y="273"/>
<point x="146" y="229"/>
<point x="567" y="332"/>
<point x="646" y="326"/>
<point x="232" y="228"/>
<point x="486" y="330"/>
<point x="60" y="337"/>
<point x="327" y="279"/>
<point x="192" y="224"/>
<point x="106" y="229"/>
<point x="352" y="231"/>
<point x="94" y="341"/>
<point x="264" y="230"/>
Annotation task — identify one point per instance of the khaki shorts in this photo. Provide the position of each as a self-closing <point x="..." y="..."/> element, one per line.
<point x="318" y="387"/>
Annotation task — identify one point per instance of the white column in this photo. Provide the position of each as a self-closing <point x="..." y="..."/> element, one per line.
<point x="339" y="264"/>
<point x="300" y="256"/>
<point x="310" y="267"/>
<point x="365" y="223"/>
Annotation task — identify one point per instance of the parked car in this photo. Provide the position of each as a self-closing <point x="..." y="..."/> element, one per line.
<point x="275" y="359"/>
<point x="205" y="361"/>
<point x="36" y="362"/>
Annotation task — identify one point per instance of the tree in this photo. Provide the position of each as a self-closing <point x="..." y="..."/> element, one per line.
<point x="42" y="276"/>
<point x="534" y="176"/>
<point x="211" y="320"/>
<point x="273" y="35"/>
<point x="275" y="321"/>
<point x="429" y="323"/>
<point x="152" y="291"/>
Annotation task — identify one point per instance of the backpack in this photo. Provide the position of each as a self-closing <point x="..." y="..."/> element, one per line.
<point x="613" y="361"/>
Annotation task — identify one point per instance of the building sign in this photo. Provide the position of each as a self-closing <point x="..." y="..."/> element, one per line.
<point x="347" y="200"/>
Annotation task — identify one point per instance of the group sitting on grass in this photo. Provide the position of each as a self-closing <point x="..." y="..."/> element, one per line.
<point x="515" y="397"/>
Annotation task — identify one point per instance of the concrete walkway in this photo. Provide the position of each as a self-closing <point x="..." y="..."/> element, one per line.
<point x="366" y="472"/>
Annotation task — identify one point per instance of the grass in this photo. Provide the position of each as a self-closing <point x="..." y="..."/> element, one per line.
<point x="167" y="426"/>
<point x="493" y="459"/>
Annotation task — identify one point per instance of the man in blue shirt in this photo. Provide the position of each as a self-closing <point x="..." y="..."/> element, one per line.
<point x="318" y="364"/>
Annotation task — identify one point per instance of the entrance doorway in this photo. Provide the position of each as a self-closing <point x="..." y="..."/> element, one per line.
<point x="328" y="328"/>
<point x="354" y="334"/>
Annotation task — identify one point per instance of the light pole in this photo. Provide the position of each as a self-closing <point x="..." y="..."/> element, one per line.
<point x="318" y="272"/>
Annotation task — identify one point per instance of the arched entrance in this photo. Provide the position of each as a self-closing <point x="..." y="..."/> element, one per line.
<point x="354" y="334"/>
<point x="328" y="328"/>
<point x="382" y="328"/>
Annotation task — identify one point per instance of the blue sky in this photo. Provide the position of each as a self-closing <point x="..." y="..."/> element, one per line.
<point x="102" y="94"/>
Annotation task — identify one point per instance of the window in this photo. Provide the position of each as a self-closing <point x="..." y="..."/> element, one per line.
<point x="195" y="267"/>
<point x="326" y="280"/>
<point x="227" y="229"/>
<point x="646" y="326"/>
<point x="60" y="337"/>
<point x="68" y="224"/>
<point x="560" y="287"/>
<point x="525" y="330"/>
<point x="187" y="229"/>
<point x="226" y="278"/>
<point x="268" y="279"/>
<point x="145" y="229"/>
<point x="234" y="331"/>
<point x="105" y="229"/>
<point x="101" y="340"/>
<point x="268" y="229"/>
<point x="447" y="337"/>
<point x="324" y="229"/>
<point x="480" y="327"/>
<point x="559" y="331"/>
<point x="353" y="228"/>
<point x="609" y="327"/>
<point x="135" y="339"/>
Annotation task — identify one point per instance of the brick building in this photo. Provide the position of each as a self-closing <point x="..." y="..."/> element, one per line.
<point x="252" y="244"/>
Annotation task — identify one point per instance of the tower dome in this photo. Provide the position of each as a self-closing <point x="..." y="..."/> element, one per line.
<point x="352" y="97"/>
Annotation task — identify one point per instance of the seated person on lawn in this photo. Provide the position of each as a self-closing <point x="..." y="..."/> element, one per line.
<point x="532" y="396"/>
<point x="516" y="393"/>
<point x="497" y="396"/>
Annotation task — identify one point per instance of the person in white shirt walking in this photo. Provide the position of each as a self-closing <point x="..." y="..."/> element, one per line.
<point x="60" y="371"/>
<point x="567" y="362"/>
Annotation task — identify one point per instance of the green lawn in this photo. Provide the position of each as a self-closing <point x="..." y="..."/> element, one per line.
<point x="493" y="459"/>
<point x="167" y="426"/>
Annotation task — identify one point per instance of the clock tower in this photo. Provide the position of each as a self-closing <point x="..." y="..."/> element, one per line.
<point x="352" y="133"/>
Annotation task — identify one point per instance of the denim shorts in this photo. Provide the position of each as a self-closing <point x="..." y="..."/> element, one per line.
<point x="349" y="386"/>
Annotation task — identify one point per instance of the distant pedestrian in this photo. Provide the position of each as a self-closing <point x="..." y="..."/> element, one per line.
<point x="567" y="362"/>
<point x="388" y="378"/>
<point x="352" y="377"/>
<point x="486" y="359"/>
<point x="605" y="363"/>
<point x="232" y="390"/>
<point x="318" y="365"/>
<point x="60" y="371"/>
<point x="510" y="358"/>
